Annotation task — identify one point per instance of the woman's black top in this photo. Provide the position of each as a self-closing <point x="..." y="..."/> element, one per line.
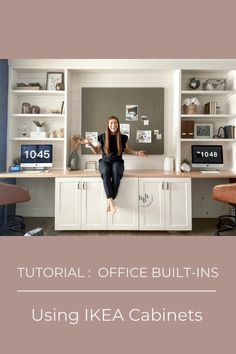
<point x="113" y="155"/>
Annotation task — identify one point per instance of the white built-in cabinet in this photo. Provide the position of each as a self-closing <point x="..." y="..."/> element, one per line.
<point x="142" y="204"/>
<point x="53" y="110"/>
<point x="226" y="111"/>
<point x="80" y="204"/>
<point x="165" y="204"/>
<point x="93" y="216"/>
<point x="68" y="203"/>
<point x="126" y="216"/>
<point x="36" y="71"/>
<point x="151" y="204"/>
<point x="178" y="203"/>
<point x="135" y="209"/>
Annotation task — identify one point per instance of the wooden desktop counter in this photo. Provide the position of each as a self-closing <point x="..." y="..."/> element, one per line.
<point x="127" y="173"/>
<point x="76" y="191"/>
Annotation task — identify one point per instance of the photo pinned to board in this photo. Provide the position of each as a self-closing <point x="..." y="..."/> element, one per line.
<point x="93" y="137"/>
<point x="131" y="112"/>
<point x="144" y="136"/>
<point x="157" y="134"/>
<point x="125" y="129"/>
<point x="145" y="120"/>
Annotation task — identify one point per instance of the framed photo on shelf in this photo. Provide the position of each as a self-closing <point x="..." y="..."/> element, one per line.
<point x="203" y="131"/>
<point x="54" y="78"/>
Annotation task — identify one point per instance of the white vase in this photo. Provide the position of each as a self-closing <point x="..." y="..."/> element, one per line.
<point x="39" y="129"/>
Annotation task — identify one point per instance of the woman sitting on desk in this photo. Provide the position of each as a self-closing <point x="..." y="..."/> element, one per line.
<point x="111" y="165"/>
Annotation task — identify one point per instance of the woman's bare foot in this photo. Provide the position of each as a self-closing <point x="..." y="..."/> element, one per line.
<point x="108" y="205"/>
<point x="112" y="207"/>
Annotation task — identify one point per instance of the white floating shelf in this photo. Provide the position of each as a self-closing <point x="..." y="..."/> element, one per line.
<point x="221" y="116"/>
<point x="46" y="115"/>
<point x="39" y="92"/>
<point x="208" y="93"/>
<point x="209" y="140"/>
<point x="32" y="139"/>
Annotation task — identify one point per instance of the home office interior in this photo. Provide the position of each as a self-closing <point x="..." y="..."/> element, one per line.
<point x="179" y="111"/>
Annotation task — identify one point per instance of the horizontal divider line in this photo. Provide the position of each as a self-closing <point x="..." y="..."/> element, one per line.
<point x="116" y="291"/>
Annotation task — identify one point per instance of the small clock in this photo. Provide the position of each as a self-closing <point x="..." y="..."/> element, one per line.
<point x="194" y="83"/>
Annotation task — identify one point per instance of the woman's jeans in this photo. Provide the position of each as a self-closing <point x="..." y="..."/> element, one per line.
<point x="111" y="173"/>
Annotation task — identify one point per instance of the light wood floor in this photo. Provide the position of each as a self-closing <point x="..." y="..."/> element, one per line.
<point x="201" y="227"/>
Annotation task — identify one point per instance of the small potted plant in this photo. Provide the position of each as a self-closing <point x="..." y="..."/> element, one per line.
<point x="39" y="125"/>
<point x="190" y="105"/>
<point x="185" y="166"/>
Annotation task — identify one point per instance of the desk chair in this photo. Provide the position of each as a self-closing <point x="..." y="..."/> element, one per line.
<point x="225" y="193"/>
<point x="12" y="194"/>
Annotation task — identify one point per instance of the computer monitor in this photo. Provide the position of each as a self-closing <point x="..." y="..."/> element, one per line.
<point x="38" y="156"/>
<point x="207" y="156"/>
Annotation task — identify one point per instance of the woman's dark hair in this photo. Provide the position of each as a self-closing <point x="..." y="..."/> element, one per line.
<point x="117" y="135"/>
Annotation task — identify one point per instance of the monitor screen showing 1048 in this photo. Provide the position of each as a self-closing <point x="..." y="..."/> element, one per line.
<point x="207" y="156"/>
<point x="36" y="155"/>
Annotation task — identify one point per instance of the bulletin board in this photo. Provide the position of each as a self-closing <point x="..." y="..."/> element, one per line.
<point x="139" y="110"/>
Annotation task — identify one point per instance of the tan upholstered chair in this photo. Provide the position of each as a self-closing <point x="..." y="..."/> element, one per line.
<point x="12" y="194"/>
<point x="225" y="193"/>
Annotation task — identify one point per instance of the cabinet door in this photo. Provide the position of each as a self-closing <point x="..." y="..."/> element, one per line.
<point x="93" y="204"/>
<point x="151" y="204"/>
<point x="67" y="204"/>
<point x="126" y="216"/>
<point x="178" y="203"/>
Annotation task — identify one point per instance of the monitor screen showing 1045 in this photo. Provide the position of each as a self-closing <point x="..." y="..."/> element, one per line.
<point x="36" y="155"/>
<point x="207" y="156"/>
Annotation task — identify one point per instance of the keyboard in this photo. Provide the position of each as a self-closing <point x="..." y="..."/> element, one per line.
<point x="210" y="171"/>
<point x="35" y="171"/>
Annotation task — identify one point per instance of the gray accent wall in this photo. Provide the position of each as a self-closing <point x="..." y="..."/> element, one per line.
<point x="100" y="103"/>
<point x="3" y="112"/>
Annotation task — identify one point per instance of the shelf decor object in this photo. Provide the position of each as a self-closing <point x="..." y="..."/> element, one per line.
<point x="203" y="131"/>
<point x="74" y="157"/>
<point x="214" y="85"/>
<point x="190" y="105"/>
<point x="192" y="109"/>
<point x="53" y="79"/>
<point x="187" y="129"/>
<point x="30" y="86"/>
<point x="74" y="161"/>
<point x="194" y="83"/>
<point x="40" y="133"/>
<point x="25" y="108"/>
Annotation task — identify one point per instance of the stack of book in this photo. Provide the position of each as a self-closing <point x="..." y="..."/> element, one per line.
<point x="210" y="108"/>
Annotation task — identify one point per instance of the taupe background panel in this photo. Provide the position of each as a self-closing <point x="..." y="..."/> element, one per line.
<point x="100" y="103"/>
<point x="112" y="29"/>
